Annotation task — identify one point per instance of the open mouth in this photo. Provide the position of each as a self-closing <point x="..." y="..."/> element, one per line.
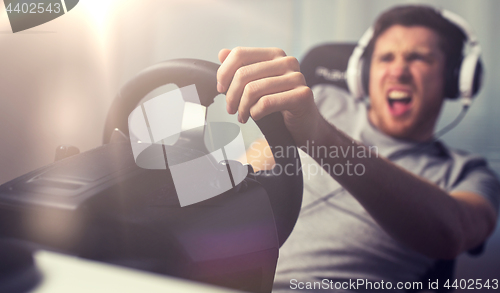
<point x="399" y="102"/>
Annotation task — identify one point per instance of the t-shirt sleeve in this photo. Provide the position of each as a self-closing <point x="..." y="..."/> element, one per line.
<point x="479" y="179"/>
<point x="331" y="100"/>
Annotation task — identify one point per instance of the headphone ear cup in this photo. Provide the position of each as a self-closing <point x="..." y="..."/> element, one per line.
<point x="478" y="77"/>
<point x="452" y="76"/>
<point x="365" y="74"/>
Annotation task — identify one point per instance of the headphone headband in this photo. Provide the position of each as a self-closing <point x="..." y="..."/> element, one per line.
<point x="470" y="60"/>
<point x="355" y="63"/>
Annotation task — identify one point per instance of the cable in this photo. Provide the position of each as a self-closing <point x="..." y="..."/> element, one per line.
<point x="452" y="124"/>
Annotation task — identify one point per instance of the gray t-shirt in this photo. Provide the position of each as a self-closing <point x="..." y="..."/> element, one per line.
<point x="335" y="238"/>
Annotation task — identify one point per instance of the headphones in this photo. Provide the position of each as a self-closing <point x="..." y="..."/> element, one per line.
<point x="462" y="80"/>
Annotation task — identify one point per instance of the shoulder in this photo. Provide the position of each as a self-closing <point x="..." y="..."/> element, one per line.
<point x="464" y="162"/>
<point x="335" y="103"/>
<point x="471" y="173"/>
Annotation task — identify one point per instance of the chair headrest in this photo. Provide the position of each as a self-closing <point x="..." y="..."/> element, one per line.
<point x="327" y="63"/>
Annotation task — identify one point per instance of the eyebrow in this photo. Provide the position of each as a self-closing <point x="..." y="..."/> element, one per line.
<point x="420" y="51"/>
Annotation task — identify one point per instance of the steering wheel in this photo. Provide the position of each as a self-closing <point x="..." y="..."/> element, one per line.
<point x="284" y="189"/>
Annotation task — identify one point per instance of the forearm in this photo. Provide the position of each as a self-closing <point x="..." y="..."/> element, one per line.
<point x="409" y="208"/>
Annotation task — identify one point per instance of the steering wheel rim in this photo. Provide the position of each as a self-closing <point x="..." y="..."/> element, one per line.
<point x="284" y="189"/>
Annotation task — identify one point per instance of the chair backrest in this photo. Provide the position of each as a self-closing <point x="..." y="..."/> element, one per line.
<point x="327" y="63"/>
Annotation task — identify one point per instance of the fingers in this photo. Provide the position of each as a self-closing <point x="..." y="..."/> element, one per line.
<point x="239" y="57"/>
<point x="256" y="89"/>
<point x="246" y="76"/>
<point x="293" y="101"/>
<point x="260" y="81"/>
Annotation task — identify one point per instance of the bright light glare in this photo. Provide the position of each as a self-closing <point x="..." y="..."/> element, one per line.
<point x="100" y="10"/>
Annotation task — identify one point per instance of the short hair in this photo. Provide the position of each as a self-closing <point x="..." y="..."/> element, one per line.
<point x="451" y="37"/>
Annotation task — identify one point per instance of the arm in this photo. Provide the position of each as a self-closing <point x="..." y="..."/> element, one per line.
<point x="411" y="209"/>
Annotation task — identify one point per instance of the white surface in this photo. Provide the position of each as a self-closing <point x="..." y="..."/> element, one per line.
<point x="62" y="273"/>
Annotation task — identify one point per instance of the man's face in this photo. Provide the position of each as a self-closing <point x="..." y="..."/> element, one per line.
<point x="406" y="82"/>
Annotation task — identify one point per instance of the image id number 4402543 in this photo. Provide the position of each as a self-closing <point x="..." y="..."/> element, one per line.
<point x="471" y="284"/>
<point x="30" y="7"/>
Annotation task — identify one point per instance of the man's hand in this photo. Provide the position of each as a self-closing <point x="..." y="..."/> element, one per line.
<point x="260" y="81"/>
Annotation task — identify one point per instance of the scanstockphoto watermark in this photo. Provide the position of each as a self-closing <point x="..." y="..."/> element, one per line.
<point x="370" y="286"/>
<point x="334" y="160"/>
<point x="356" y="284"/>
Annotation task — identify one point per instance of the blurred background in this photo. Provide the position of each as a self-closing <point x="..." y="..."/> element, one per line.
<point x="58" y="80"/>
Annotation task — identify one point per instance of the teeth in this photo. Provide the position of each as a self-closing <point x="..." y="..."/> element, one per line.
<point x="398" y="95"/>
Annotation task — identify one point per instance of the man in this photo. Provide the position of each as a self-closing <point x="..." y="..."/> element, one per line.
<point x="415" y="203"/>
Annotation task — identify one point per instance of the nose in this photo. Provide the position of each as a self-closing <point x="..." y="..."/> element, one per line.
<point x="400" y="70"/>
